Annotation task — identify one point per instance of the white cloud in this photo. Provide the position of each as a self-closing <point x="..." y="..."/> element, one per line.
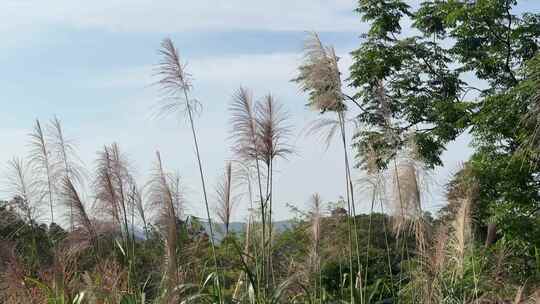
<point x="260" y="71"/>
<point x="180" y="15"/>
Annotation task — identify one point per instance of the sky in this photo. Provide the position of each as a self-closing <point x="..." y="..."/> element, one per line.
<point x="91" y="63"/>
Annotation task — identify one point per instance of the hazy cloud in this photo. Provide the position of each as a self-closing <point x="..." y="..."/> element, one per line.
<point x="177" y="16"/>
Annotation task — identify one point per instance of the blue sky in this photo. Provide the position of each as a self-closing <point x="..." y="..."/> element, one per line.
<point x="90" y="63"/>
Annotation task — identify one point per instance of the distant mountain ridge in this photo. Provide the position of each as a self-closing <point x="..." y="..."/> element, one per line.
<point x="219" y="228"/>
<point x="239" y="227"/>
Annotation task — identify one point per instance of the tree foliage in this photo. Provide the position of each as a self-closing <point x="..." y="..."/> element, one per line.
<point x="464" y="66"/>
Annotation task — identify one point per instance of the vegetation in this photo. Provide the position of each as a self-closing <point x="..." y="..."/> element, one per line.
<point x="73" y="235"/>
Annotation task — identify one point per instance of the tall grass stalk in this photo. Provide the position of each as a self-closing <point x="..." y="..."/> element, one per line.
<point x="40" y="159"/>
<point x="351" y="203"/>
<point x="65" y="162"/>
<point x="140" y="207"/>
<point x="83" y="225"/>
<point x="24" y="189"/>
<point x="225" y="202"/>
<point x="315" y="218"/>
<point x="113" y="185"/>
<point x="176" y="85"/>
<point x="319" y="75"/>
<point x="243" y="173"/>
<point x="246" y="147"/>
<point x="160" y="193"/>
<point x="272" y="133"/>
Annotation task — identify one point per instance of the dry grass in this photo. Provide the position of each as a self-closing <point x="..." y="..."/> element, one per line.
<point x="161" y="196"/>
<point x="319" y="75"/>
<point x="107" y="283"/>
<point x="64" y="154"/>
<point x="410" y="180"/>
<point x="113" y="186"/>
<point x="461" y="235"/>
<point x="225" y="201"/>
<point x="13" y="285"/>
<point x="315" y="218"/>
<point x="22" y="185"/>
<point x="176" y="85"/>
<point x="40" y="160"/>
<point x="65" y="162"/>
<point x="244" y="126"/>
<point x="174" y="77"/>
<point x="78" y="216"/>
<point x="273" y="130"/>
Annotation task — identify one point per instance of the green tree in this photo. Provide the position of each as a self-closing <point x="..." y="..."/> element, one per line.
<point x="464" y="66"/>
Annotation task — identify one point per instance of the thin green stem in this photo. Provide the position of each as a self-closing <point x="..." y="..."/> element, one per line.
<point x="350" y="196"/>
<point x="189" y="110"/>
